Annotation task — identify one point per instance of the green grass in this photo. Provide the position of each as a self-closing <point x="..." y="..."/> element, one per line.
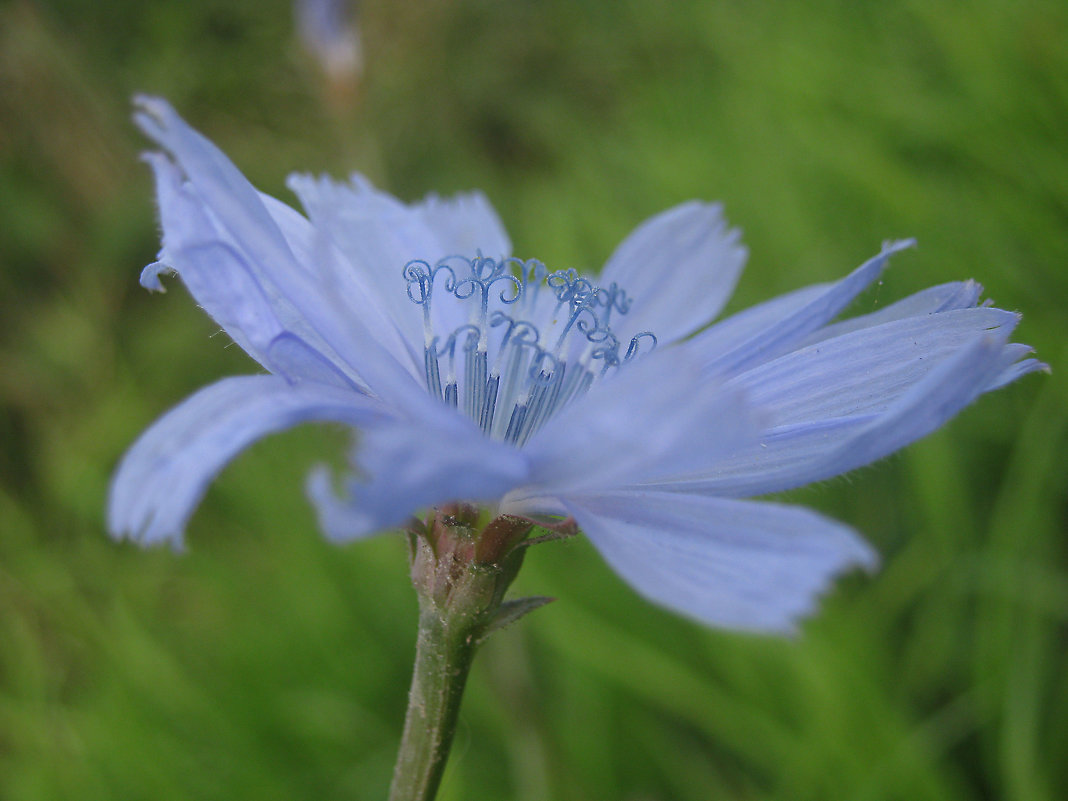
<point x="267" y="664"/>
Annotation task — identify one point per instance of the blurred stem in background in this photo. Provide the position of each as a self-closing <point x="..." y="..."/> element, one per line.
<point x="329" y="31"/>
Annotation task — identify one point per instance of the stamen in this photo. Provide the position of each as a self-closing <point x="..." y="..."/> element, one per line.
<point x="524" y="356"/>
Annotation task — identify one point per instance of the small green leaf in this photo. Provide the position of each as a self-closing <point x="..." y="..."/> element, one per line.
<point x="511" y="611"/>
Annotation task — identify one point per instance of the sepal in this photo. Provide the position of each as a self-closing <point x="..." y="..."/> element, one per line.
<point x="463" y="562"/>
<point x="510" y="611"/>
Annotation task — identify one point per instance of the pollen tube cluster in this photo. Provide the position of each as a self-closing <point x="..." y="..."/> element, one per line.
<point x="520" y="342"/>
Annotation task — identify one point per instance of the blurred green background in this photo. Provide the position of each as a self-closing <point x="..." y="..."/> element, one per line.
<point x="266" y="664"/>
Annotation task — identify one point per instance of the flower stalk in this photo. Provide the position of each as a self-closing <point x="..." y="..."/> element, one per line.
<point x="461" y="572"/>
<point x="443" y="656"/>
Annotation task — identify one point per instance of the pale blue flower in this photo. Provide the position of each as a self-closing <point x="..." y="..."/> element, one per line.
<point x="473" y="376"/>
<point x="327" y="29"/>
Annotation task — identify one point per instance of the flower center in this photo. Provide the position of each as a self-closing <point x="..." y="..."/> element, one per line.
<point x="522" y="341"/>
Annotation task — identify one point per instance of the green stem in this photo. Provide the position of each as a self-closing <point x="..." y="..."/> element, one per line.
<point x="443" y="655"/>
<point x="460" y="576"/>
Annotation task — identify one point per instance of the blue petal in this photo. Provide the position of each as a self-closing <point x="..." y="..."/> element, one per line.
<point x="291" y="357"/>
<point x="1015" y="366"/>
<point x="800" y="452"/>
<point x="407" y="465"/>
<point x="465" y="224"/>
<point x="162" y="478"/>
<point x="150" y="276"/>
<point x="219" y="278"/>
<point x="304" y="293"/>
<point x="735" y="564"/>
<point x="367" y="312"/>
<point x="215" y="274"/>
<point x="224" y="284"/>
<point x="778" y="326"/>
<point x="378" y="235"/>
<point x="934" y="300"/>
<point x="679" y="268"/>
<point x="656" y="417"/>
<point x="865" y="370"/>
<point x="219" y="183"/>
<point x="924" y="408"/>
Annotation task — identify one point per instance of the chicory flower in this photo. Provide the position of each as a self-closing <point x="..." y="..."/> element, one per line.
<point x="327" y="29"/>
<point x="476" y="377"/>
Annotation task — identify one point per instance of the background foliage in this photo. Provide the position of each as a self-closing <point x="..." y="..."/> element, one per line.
<point x="266" y="664"/>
